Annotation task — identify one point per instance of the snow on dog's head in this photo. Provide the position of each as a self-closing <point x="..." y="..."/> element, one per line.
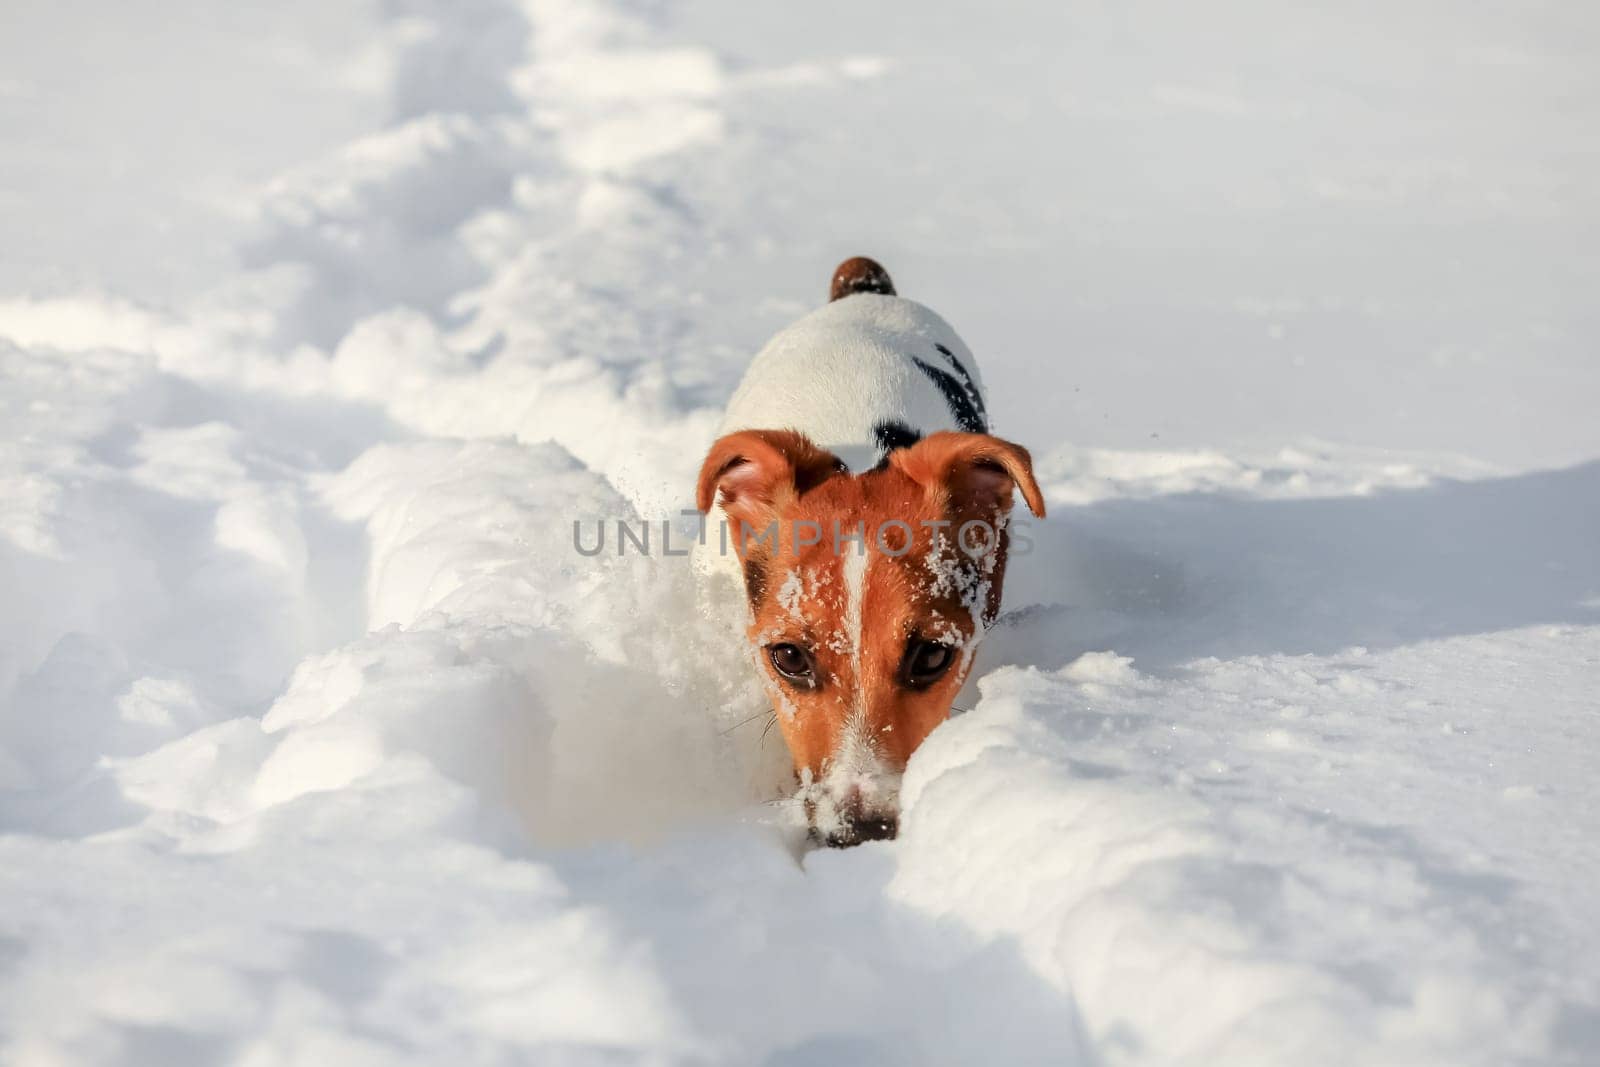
<point x="868" y="595"/>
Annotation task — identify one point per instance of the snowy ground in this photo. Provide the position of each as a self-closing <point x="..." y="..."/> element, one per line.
<point x="320" y="325"/>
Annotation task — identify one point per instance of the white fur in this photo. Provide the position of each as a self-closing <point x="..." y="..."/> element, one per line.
<point x="855" y="583"/>
<point x="841" y="370"/>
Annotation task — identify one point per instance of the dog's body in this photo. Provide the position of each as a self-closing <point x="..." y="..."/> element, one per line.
<point x="853" y="466"/>
<point x="865" y="373"/>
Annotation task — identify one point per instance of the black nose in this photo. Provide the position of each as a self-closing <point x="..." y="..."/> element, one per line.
<point x="869" y="828"/>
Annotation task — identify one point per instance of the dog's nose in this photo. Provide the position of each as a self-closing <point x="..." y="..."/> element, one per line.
<point x="871" y="828"/>
<point x="857" y="824"/>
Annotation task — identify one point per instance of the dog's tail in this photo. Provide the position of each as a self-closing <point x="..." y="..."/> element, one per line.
<point x="859" y="274"/>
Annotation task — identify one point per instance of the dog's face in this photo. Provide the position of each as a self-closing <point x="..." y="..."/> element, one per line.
<point x="868" y="596"/>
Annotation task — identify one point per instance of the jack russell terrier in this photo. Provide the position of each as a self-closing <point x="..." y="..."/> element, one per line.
<point x="867" y="507"/>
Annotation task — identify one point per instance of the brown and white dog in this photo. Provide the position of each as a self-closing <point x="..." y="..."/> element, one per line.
<point x="867" y="507"/>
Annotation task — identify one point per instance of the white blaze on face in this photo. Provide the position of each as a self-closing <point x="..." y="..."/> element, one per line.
<point x="855" y="586"/>
<point x="855" y="765"/>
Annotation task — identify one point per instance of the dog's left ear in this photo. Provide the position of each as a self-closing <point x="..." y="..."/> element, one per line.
<point x="973" y="473"/>
<point x="758" y="472"/>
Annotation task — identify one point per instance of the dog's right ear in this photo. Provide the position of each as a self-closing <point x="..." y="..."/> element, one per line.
<point x="759" y="472"/>
<point x="971" y="473"/>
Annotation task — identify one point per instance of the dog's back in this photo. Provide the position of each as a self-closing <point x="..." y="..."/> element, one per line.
<point x="866" y="373"/>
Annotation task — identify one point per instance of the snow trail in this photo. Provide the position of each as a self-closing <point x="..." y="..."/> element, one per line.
<point x="319" y="742"/>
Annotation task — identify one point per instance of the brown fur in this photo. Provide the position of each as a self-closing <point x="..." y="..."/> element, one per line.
<point x="931" y="592"/>
<point x="859" y="274"/>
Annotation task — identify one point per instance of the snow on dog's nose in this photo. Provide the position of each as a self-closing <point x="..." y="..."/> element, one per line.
<point x="841" y="819"/>
<point x="858" y="796"/>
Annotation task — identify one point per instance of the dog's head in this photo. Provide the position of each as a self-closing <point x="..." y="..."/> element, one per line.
<point x="868" y="596"/>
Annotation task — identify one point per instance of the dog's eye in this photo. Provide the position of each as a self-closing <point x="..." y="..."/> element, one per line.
<point x="793" y="662"/>
<point x="925" y="663"/>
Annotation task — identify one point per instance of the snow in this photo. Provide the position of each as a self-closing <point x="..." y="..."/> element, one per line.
<point x="320" y="327"/>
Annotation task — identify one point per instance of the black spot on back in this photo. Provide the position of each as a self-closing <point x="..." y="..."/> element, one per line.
<point x="891" y="436"/>
<point x="971" y="386"/>
<point x="966" y="406"/>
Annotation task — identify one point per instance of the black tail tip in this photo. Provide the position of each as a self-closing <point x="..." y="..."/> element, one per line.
<point x="859" y="274"/>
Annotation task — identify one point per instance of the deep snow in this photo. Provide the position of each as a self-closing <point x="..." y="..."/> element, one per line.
<point x="318" y="329"/>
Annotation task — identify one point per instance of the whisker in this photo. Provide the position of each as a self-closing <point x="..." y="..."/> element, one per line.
<point x="741" y="722"/>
